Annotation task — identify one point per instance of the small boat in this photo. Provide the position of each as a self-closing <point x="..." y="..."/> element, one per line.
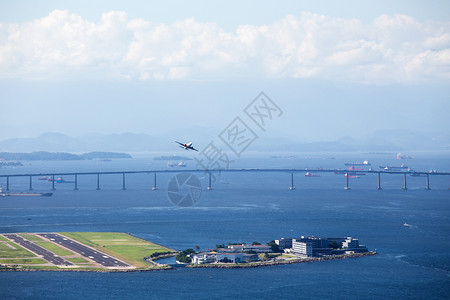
<point x="44" y="178"/>
<point x="61" y="180"/>
<point x="307" y="174"/>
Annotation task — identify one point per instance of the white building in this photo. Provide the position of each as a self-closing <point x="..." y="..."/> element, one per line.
<point x="351" y="244"/>
<point x="203" y="258"/>
<point x="302" y="248"/>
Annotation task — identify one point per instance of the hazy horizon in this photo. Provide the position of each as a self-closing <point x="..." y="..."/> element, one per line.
<point x="334" y="70"/>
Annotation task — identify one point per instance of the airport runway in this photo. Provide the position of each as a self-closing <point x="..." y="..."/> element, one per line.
<point x="44" y="253"/>
<point x="93" y="254"/>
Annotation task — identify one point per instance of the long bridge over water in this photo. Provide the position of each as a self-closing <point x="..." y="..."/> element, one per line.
<point x="348" y="174"/>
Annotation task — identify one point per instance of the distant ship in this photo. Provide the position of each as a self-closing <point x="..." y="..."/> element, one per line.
<point x="364" y="163"/>
<point x="311" y="175"/>
<point x="179" y="164"/>
<point x="393" y="168"/>
<point x="418" y="175"/>
<point x="355" y="169"/>
<point x="349" y="175"/>
<point x="59" y="180"/>
<point x="401" y="156"/>
<point x="24" y="194"/>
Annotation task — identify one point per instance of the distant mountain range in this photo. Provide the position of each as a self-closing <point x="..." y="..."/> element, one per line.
<point x="42" y="155"/>
<point x="385" y="140"/>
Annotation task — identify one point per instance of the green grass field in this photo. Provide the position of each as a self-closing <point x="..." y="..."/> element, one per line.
<point x="54" y="248"/>
<point x="77" y="260"/>
<point x="31" y="237"/>
<point x="14" y="251"/>
<point x="121" y="245"/>
<point x="23" y="261"/>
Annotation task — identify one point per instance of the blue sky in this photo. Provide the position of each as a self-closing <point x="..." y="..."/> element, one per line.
<point x="336" y="68"/>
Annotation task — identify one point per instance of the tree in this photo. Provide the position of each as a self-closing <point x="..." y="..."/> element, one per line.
<point x="274" y="247"/>
<point x="256" y="243"/>
<point x="197" y="247"/>
<point x="183" y="256"/>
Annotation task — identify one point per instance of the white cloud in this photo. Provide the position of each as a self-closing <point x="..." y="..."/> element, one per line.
<point x="63" y="45"/>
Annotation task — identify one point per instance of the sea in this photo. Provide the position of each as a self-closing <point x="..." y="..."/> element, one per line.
<point x="410" y="229"/>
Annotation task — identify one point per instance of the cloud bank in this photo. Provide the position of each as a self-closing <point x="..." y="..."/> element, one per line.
<point x="389" y="49"/>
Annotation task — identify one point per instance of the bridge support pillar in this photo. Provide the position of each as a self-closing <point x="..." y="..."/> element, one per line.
<point x="53" y="182"/>
<point x="427" y="187"/>
<point x="123" y="182"/>
<point x="346" y="182"/>
<point x="31" y="183"/>
<point x="379" y="181"/>
<point x="7" y="183"/>
<point x="404" y="182"/>
<point x="154" y="182"/>
<point x="98" y="182"/>
<point x="209" y="182"/>
<point x="292" y="182"/>
<point x="76" y="182"/>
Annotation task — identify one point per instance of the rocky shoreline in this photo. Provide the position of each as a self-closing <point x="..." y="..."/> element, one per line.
<point x="85" y="270"/>
<point x="211" y="265"/>
<point x="278" y="263"/>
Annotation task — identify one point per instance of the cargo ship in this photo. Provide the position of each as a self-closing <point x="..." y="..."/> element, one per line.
<point x="24" y="194"/>
<point x="395" y="168"/>
<point x="364" y="163"/>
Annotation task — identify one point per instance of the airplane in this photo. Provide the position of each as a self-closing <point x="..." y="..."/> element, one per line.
<point x="187" y="146"/>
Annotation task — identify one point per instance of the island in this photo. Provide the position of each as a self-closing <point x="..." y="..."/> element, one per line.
<point x="80" y="251"/>
<point x="43" y="155"/>
<point x="275" y="252"/>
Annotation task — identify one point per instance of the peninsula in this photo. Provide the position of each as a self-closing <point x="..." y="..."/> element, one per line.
<point x="80" y="251"/>
<point x="276" y="252"/>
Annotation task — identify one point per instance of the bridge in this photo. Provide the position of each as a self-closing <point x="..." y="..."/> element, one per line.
<point x="347" y="173"/>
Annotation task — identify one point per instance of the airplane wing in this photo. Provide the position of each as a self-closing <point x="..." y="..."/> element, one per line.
<point x="194" y="149"/>
<point x="179" y="143"/>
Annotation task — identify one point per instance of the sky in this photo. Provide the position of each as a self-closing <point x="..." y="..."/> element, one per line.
<point x="335" y="68"/>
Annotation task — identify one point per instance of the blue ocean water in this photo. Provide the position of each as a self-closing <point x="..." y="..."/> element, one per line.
<point x="413" y="261"/>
